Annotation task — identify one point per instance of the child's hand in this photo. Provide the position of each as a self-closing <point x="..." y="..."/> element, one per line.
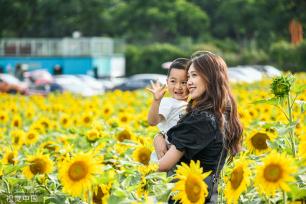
<point x="157" y="90"/>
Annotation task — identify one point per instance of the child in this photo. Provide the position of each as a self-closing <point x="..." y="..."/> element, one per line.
<point x="165" y="112"/>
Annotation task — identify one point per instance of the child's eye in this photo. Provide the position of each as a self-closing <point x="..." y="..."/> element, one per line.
<point x="184" y="82"/>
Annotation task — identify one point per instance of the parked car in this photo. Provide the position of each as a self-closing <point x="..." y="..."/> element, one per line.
<point x="11" y="84"/>
<point x="140" y="81"/>
<point x="73" y="84"/>
<point x="41" y="80"/>
<point x="92" y="82"/>
<point x="244" y="74"/>
<point x="268" y="70"/>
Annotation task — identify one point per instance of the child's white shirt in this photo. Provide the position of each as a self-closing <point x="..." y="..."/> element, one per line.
<point x="170" y="109"/>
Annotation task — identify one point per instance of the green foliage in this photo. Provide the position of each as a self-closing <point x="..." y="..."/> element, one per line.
<point x="225" y="27"/>
<point x="148" y="59"/>
<point x="288" y="56"/>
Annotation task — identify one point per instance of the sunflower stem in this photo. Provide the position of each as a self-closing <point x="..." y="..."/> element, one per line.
<point x="45" y="187"/>
<point x="7" y="186"/>
<point x="284" y="197"/>
<point x="291" y="132"/>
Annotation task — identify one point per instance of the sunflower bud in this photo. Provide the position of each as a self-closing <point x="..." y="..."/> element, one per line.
<point x="281" y="85"/>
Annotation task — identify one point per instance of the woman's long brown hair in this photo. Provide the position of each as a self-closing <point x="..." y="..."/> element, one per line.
<point x="218" y="98"/>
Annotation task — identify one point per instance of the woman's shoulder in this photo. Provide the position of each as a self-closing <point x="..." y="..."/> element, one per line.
<point x="203" y="115"/>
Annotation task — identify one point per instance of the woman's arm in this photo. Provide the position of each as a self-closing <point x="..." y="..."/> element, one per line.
<point x="170" y="159"/>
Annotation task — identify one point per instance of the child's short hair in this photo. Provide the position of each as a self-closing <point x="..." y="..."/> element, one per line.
<point x="179" y="63"/>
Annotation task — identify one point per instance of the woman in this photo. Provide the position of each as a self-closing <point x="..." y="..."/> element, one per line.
<point x="211" y="121"/>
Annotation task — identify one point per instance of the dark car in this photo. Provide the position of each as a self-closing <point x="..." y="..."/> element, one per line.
<point x="140" y="81"/>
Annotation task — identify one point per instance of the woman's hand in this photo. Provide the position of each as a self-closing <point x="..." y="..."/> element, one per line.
<point x="160" y="146"/>
<point x="157" y="90"/>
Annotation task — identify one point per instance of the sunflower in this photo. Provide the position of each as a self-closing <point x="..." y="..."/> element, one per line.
<point x="142" y="154"/>
<point x="17" y="138"/>
<point x="238" y="180"/>
<point x="37" y="127"/>
<point x="92" y="135"/>
<point x="190" y="186"/>
<point x="124" y="118"/>
<point x="3" y="117"/>
<point x="31" y="137"/>
<point x="29" y="113"/>
<point x="37" y="164"/>
<point x="101" y="193"/>
<point x="107" y="110"/>
<point x="9" y="157"/>
<point x="86" y="119"/>
<point x="146" y="170"/>
<point x="49" y="146"/>
<point x="65" y="121"/>
<point x="45" y="123"/>
<point x="124" y="135"/>
<point x="113" y="122"/>
<point x="16" y="121"/>
<point x="77" y="174"/>
<point x="275" y="173"/>
<point x="256" y="141"/>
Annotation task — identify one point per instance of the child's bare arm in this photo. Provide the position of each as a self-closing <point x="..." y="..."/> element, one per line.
<point x="158" y="92"/>
<point x="153" y="117"/>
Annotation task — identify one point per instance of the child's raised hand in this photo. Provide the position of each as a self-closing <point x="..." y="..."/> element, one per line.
<point x="158" y="90"/>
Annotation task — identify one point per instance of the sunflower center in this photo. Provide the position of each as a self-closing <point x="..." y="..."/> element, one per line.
<point x="144" y="157"/>
<point x="16" y="123"/>
<point x="31" y="136"/>
<point x="193" y="188"/>
<point x="124" y="119"/>
<point x="86" y="120"/>
<point x="16" y="140"/>
<point x="237" y="177"/>
<point x="259" y="141"/>
<point x="50" y="147"/>
<point x="273" y="172"/>
<point x="2" y="117"/>
<point x="45" y="124"/>
<point x="124" y="135"/>
<point x="78" y="170"/>
<point x="65" y="121"/>
<point x="10" y="158"/>
<point x="38" y="166"/>
<point x="106" y="110"/>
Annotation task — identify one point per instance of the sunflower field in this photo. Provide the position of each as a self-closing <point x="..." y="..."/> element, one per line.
<point x="65" y="148"/>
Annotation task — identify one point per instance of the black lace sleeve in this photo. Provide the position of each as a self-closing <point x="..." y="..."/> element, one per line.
<point x="193" y="133"/>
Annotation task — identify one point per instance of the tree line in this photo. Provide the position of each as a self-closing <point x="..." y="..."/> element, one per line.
<point x="227" y="25"/>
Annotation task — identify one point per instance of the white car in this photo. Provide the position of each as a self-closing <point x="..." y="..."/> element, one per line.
<point x="92" y="82"/>
<point x="12" y="80"/>
<point x="75" y="85"/>
<point x="268" y="70"/>
<point x="244" y="74"/>
<point x="154" y="77"/>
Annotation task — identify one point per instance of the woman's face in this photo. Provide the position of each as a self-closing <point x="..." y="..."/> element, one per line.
<point x="195" y="84"/>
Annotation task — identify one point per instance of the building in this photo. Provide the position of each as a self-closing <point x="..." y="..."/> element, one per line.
<point x="73" y="55"/>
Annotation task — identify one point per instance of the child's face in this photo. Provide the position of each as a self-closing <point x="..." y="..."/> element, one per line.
<point x="177" y="84"/>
